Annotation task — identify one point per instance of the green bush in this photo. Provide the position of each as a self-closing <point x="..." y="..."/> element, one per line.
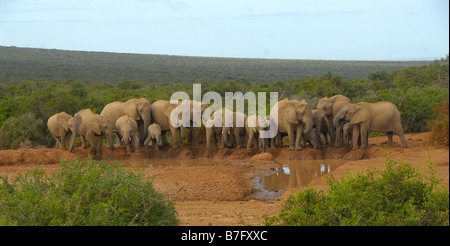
<point x="84" y="193"/>
<point x="23" y="129"/>
<point x="397" y="195"/>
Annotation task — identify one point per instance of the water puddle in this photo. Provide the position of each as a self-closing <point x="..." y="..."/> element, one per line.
<point x="293" y="174"/>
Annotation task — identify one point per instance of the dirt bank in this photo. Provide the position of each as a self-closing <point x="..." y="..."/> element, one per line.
<point x="218" y="190"/>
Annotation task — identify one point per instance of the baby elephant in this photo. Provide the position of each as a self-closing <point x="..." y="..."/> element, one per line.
<point x="154" y="134"/>
<point x="126" y="130"/>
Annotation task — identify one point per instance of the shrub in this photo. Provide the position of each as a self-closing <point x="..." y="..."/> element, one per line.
<point x="439" y="127"/>
<point x="84" y="193"/>
<point x="25" y="128"/>
<point x="397" y="195"/>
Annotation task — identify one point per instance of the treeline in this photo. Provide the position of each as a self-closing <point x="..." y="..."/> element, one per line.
<point x="95" y="67"/>
<point x="26" y="104"/>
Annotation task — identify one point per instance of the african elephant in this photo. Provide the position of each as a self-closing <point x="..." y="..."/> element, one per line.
<point x="327" y="108"/>
<point x="161" y="112"/>
<point x="253" y="125"/>
<point x="294" y="118"/>
<point x="95" y="125"/>
<point x="137" y="109"/>
<point x="126" y="130"/>
<point x="62" y="124"/>
<point x="378" y="117"/>
<point x="154" y="135"/>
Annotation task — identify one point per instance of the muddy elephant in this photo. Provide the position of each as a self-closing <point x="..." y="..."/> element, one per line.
<point x="294" y="118"/>
<point x="95" y="125"/>
<point x="126" y="128"/>
<point x="378" y="117"/>
<point x="154" y="135"/>
<point x="213" y="128"/>
<point x="253" y="126"/>
<point x="327" y="108"/>
<point x="161" y="114"/>
<point x="60" y="125"/>
<point x="137" y="109"/>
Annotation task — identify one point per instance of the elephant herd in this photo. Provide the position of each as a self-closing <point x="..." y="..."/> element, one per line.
<point x="137" y="122"/>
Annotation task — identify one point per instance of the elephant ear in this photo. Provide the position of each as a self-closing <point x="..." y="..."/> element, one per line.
<point x="95" y="127"/>
<point x="290" y="115"/>
<point x="63" y="119"/>
<point x="361" y="114"/>
<point x="132" y="111"/>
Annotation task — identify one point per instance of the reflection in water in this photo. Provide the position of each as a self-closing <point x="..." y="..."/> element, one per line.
<point x="298" y="173"/>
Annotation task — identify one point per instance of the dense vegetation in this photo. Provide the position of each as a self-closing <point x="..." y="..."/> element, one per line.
<point x="397" y="195"/>
<point x="27" y="103"/>
<point x="46" y="64"/>
<point x="83" y="193"/>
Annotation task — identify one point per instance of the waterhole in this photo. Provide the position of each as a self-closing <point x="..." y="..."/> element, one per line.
<point x="293" y="174"/>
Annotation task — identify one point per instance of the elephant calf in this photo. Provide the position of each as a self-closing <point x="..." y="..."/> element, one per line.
<point x="126" y="130"/>
<point x="60" y="125"/>
<point x="154" y="135"/>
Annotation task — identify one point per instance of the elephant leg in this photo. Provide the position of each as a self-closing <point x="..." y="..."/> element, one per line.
<point x="338" y="137"/>
<point x="63" y="141"/>
<point x="249" y="140"/>
<point x="329" y="123"/>
<point x="136" y="143"/>
<point x="194" y="138"/>
<point x="90" y="140"/>
<point x="279" y="140"/>
<point x="298" y="137"/>
<point x="390" y="135"/>
<point x="174" y="142"/>
<point x="291" y="135"/>
<point x="355" y="136"/>
<point x="237" y="136"/>
<point x="399" y="131"/>
<point x="99" y="145"/>
<point x="58" y="141"/>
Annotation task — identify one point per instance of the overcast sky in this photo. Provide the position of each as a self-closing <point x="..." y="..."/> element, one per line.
<point x="285" y="29"/>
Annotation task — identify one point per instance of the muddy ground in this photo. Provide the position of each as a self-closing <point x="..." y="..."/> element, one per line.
<point x="221" y="190"/>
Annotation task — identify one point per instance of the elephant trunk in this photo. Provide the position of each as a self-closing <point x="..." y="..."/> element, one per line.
<point x="225" y="135"/>
<point x="72" y="140"/>
<point x="110" y="138"/>
<point x="339" y="119"/>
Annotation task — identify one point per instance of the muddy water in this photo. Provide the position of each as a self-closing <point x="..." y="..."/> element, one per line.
<point x="293" y="174"/>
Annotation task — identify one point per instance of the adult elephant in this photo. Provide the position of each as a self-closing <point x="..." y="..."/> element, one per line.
<point x="161" y="114"/>
<point x="378" y="117"/>
<point x="95" y="125"/>
<point x="294" y="118"/>
<point x="137" y="109"/>
<point x="60" y="125"/>
<point x="327" y="108"/>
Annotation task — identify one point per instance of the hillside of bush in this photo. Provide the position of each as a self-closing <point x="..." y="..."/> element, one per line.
<point x="51" y="64"/>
